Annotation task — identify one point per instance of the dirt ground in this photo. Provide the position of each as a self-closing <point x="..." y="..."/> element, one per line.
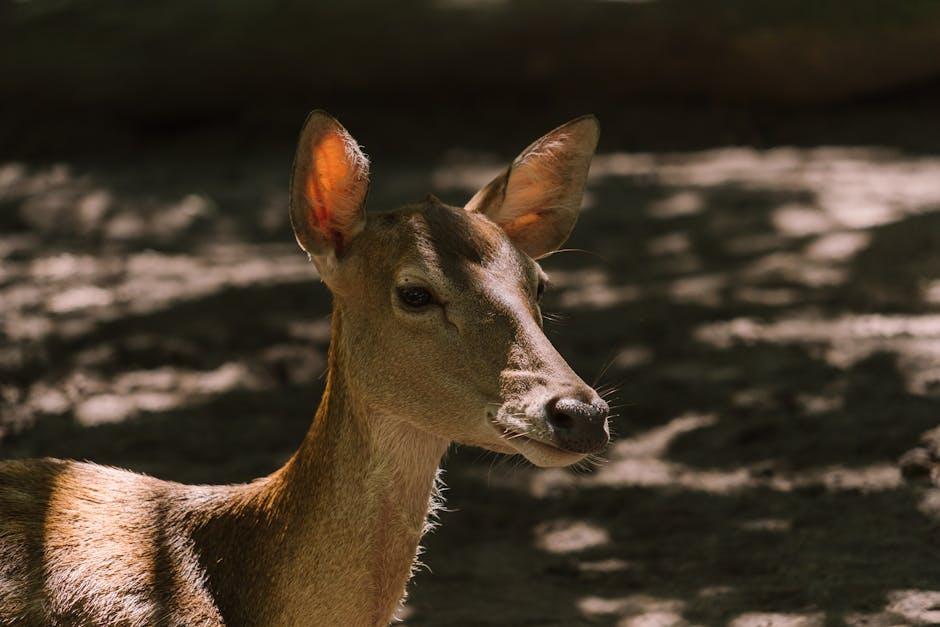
<point x="770" y="317"/>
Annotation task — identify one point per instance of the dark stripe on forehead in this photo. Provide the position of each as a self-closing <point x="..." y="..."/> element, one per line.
<point x="453" y="233"/>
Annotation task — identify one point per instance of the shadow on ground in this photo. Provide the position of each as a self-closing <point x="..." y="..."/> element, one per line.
<point x="770" y="320"/>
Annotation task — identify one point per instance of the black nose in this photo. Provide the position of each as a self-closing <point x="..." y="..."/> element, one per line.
<point x="579" y="427"/>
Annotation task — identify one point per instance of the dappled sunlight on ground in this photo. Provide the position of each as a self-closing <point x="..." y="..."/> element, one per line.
<point x="768" y="319"/>
<point x="847" y="339"/>
<point x="82" y="290"/>
<point x="68" y="298"/>
<point x="850" y="187"/>
<point x="642" y="461"/>
<point x="636" y="611"/>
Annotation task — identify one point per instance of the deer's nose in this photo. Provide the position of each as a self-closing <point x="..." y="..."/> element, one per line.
<point x="579" y="427"/>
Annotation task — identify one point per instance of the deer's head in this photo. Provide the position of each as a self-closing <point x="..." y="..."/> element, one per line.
<point x="439" y="306"/>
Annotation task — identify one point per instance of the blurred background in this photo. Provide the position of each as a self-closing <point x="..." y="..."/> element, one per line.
<point x="761" y="281"/>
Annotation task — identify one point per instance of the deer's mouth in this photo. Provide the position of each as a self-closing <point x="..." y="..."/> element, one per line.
<point x="508" y="434"/>
<point x="536" y="450"/>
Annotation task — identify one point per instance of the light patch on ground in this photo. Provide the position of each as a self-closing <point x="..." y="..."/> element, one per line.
<point x="636" y="610"/>
<point x="771" y="525"/>
<point x="764" y="619"/>
<point x="85" y="291"/>
<point x="611" y="565"/>
<point x="853" y="187"/>
<point x="847" y="339"/>
<point x="569" y="536"/>
<point x="677" y="205"/>
<point x="921" y="607"/>
<point x="633" y="356"/>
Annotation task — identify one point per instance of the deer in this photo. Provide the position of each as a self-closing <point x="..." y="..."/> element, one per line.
<point x="436" y="338"/>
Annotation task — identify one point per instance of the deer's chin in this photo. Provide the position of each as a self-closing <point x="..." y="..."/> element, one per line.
<point x="546" y="455"/>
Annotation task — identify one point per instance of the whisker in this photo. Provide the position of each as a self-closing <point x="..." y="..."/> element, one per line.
<point x="610" y="362"/>
<point x="555" y="318"/>
<point x="578" y="250"/>
<point x="609" y="389"/>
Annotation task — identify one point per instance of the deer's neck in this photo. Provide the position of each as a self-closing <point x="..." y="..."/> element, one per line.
<point x="341" y="521"/>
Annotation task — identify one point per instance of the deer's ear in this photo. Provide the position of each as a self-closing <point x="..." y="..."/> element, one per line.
<point x="328" y="188"/>
<point x="536" y="199"/>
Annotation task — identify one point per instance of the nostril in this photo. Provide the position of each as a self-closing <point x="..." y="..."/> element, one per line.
<point x="561" y="420"/>
<point x="558" y="416"/>
<point x="569" y="413"/>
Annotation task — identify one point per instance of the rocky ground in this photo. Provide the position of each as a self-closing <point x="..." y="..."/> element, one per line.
<point x="770" y="317"/>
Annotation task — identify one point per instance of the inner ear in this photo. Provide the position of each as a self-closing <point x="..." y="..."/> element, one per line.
<point x="536" y="200"/>
<point x="329" y="183"/>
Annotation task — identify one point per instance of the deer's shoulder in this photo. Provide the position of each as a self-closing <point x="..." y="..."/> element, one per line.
<point x="83" y="543"/>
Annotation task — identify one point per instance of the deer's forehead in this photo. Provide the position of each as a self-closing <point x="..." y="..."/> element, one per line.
<point x="449" y="244"/>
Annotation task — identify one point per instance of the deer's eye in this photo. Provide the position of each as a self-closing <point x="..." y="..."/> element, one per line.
<point x="415" y="297"/>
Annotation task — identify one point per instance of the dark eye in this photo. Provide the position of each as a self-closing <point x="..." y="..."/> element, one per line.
<point x="540" y="290"/>
<point x="414" y="297"/>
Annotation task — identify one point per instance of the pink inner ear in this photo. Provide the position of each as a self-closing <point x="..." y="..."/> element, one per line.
<point x="328" y="187"/>
<point x="515" y="226"/>
<point x="534" y="191"/>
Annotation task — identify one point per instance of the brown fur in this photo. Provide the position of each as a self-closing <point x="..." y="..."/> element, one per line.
<point x="330" y="538"/>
